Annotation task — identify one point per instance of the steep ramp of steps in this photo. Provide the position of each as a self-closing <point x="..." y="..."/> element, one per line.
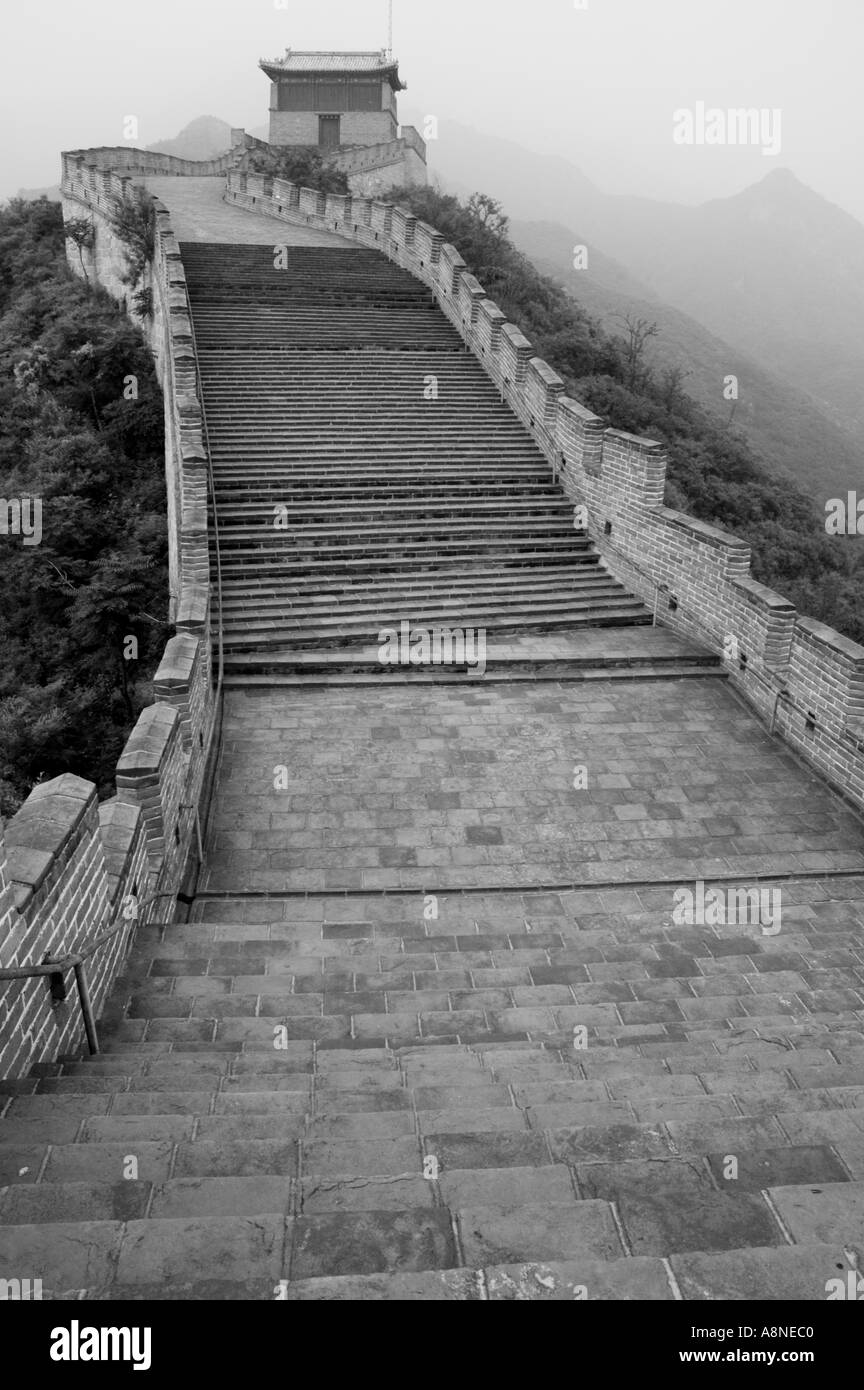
<point x="369" y="474"/>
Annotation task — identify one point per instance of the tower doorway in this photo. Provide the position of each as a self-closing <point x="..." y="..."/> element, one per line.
<point x="329" y="132"/>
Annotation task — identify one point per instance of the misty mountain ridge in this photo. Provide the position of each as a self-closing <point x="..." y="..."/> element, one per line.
<point x="776" y="270"/>
<point x="207" y="137"/>
<point x="785" y="427"/>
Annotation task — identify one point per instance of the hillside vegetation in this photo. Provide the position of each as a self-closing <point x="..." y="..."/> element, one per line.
<point x="787" y="431"/>
<point x="74" y="439"/>
<point x="713" y="473"/>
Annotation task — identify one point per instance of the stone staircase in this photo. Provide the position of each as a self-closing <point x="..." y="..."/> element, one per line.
<point x="348" y="501"/>
<point x="341" y="1100"/>
<point x="332" y="1084"/>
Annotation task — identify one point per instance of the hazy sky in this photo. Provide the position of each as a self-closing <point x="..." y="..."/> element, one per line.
<point x="597" y="86"/>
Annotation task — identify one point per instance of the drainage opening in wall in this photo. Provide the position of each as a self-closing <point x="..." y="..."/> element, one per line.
<point x="810" y="722"/>
<point x="607" y="529"/>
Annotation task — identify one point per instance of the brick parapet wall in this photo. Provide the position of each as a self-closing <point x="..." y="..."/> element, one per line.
<point x="149" y="164"/>
<point x="66" y="866"/>
<point x="66" y="863"/>
<point x="696" y="577"/>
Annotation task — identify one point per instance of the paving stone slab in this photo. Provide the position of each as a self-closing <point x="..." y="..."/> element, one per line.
<point x="506" y="1187"/>
<point x="218" y="1197"/>
<point x="824" y="1214"/>
<point x="62" y="1203"/>
<point x="72" y="1254"/>
<point x="499" y="1150"/>
<point x="212" y="1248"/>
<point x="499" y="1235"/>
<point x="671" y="1206"/>
<point x="372" y="1242"/>
<point x="797" y="1273"/>
<point x="618" y="1280"/>
<point x="758" y="1169"/>
<point x="439" y="1286"/>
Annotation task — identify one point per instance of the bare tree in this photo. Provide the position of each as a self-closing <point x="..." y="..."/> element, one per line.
<point x="637" y="373"/>
<point x="672" y="387"/>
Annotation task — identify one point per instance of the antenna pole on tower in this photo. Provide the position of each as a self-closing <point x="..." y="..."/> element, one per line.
<point x="389" y="28"/>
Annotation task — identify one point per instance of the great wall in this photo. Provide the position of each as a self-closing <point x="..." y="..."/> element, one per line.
<point x="424" y="1127"/>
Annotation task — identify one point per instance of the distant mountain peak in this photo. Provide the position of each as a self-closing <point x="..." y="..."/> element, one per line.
<point x="782" y="178"/>
<point x="782" y="183"/>
<point x="205" y="137"/>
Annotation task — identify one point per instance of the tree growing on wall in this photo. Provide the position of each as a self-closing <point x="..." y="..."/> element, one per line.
<point x="295" y="165"/>
<point x="134" y="222"/>
<point x="82" y="233"/>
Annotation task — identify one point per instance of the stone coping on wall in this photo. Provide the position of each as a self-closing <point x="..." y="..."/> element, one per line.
<point x="42" y="836"/>
<point x="152" y="164"/>
<point x="91" y="177"/>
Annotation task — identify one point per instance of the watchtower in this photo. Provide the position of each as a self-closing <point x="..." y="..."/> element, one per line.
<point x="333" y="101"/>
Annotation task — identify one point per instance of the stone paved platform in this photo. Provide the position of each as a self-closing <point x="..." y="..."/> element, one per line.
<point x="528" y="1097"/>
<point x="406" y="787"/>
<point x="199" y="214"/>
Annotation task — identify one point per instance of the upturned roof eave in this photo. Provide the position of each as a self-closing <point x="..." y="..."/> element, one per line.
<point x="275" y="69"/>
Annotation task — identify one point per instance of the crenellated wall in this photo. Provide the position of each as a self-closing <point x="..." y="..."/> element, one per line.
<point x="373" y="169"/>
<point x="66" y="863"/>
<point x="806" y="680"/>
<point x="123" y="159"/>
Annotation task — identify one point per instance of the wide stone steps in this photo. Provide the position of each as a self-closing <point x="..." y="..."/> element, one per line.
<point x="347" y="501"/>
<point x="282" y="529"/>
<point x="351" y="598"/>
<point x="298" y="634"/>
<point x="345" y="487"/>
<point x="322" y="430"/>
<point x="318" y="327"/>
<point x="345" y="1102"/>
<point x="347" y="453"/>
<point x="508" y="661"/>
<point x="504" y="579"/>
<point x="239" y="513"/>
<point x="318" y="566"/>
<point x="436" y="553"/>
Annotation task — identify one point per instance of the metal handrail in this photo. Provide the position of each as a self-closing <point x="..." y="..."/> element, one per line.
<point x="75" y="960"/>
<point x="216" y="730"/>
<point x="212" y="486"/>
<point x="655" y="584"/>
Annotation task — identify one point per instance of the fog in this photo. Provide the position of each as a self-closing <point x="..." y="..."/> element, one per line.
<point x="598" y="85"/>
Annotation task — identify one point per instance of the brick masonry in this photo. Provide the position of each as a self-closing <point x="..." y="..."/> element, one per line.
<point x="65" y="867"/>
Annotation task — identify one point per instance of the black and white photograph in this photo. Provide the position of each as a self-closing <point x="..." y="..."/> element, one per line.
<point x="431" y="670"/>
